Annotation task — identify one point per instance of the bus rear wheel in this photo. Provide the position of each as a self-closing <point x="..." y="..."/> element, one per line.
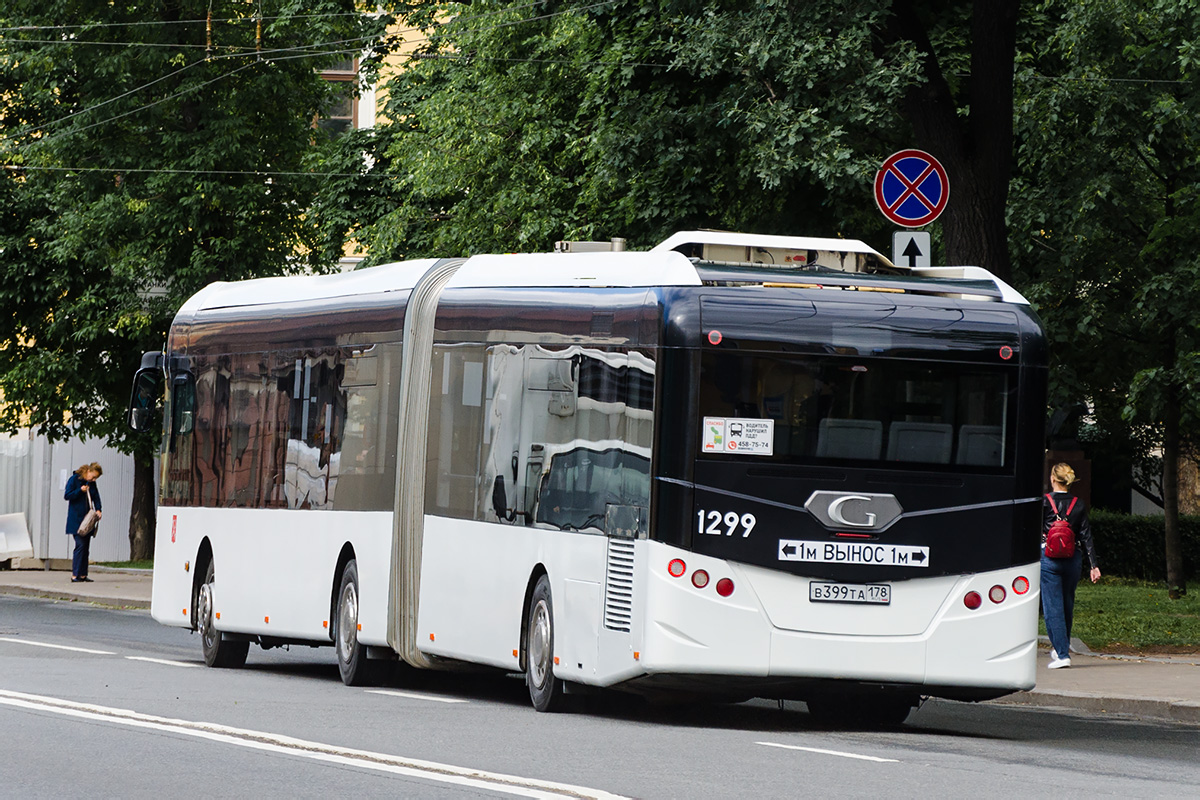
<point x="545" y="690"/>
<point x="351" y="653"/>
<point x="218" y="650"/>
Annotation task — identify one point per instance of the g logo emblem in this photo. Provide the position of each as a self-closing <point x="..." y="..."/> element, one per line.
<point x="839" y="510"/>
<point x="835" y="512"/>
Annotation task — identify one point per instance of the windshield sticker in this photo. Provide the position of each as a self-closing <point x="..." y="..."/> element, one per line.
<point x="752" y="437"/>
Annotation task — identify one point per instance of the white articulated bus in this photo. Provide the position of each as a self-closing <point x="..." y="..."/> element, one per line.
<point x="739" y="464"/>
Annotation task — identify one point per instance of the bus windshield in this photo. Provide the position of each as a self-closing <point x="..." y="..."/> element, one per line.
<point x="825" y="410"/>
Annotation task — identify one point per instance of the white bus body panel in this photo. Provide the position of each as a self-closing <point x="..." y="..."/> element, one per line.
<point x="474" y="578"/>
<point x="274" y="568"/>
<point x="686" y="630"/>
<point x="398" y="277"/>
<point x="624" y="269"/>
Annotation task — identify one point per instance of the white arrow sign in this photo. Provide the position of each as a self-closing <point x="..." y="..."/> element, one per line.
<point x="911" y="249"/>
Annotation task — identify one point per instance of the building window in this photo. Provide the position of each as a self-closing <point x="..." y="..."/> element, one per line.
<point x="341" y="113"/>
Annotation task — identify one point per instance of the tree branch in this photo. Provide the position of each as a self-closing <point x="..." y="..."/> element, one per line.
<point x="1158" y="501"/>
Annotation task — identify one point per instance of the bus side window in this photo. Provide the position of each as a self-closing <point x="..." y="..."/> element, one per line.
<point x="183" y="405"/>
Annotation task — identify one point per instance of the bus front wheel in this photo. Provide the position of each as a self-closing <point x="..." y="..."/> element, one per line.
<point x="218" y="651"/>
<point x="545" y="690"/>
<point x="351" y="653"/>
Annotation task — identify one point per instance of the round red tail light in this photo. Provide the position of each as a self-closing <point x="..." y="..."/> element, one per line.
<point x="972" y="600"/>
<point x="699" y="579"/>
<point x="997" y="594"/>
<point x="676" y="567"/>
<point x="724" y="587"/>
<point x="1021" y="584"/>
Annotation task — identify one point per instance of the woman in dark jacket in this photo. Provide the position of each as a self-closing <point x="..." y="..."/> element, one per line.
<point x="81" y="483"/>
<point x="1060" y="576"/>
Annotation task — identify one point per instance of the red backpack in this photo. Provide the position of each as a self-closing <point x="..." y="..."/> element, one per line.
<point x="1060" y="539"/>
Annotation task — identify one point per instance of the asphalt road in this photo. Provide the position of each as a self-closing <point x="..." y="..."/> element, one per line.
<point x="129" y="710"/>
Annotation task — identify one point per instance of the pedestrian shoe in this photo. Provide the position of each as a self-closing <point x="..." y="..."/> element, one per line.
<point x="78" y="580"/>
<point x="86" y="579"/>
<point x="1059" y="663"/>
<point x="1053" y="654"/>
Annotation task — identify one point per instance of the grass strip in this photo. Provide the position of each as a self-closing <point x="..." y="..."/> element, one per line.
<point x="1120" y="615"/>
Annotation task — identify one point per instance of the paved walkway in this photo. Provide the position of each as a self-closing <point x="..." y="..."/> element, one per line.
<point x="1157" y="688"/>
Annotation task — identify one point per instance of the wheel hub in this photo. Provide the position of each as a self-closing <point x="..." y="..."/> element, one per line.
<point x="347" y="632"/>
<point x="205" y="615"/>
<point x="539" y="644"/>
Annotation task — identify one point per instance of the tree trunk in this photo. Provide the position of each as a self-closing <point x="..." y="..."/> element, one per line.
<point x="1176" y="584"/>
<point x="142" y="515"/>
<point x="976" y="150"/>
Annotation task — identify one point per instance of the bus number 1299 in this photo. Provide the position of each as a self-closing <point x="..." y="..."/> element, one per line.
<point x="724" y="524"/>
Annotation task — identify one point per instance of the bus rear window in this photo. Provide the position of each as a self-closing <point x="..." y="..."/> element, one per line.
<point x="864" y="410"/>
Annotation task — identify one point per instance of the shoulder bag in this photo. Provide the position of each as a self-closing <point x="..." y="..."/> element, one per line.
<point x="88" y="526"/>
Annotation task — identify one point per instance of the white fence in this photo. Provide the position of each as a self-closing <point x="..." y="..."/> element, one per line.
<point x="33" y="474"/>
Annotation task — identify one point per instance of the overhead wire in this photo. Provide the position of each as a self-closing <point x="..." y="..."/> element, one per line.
<point x="89" y="25"/>
<point x="288" y="50"/>
<point x="154" y="22"/>
<point x="170" y="171"/>
<point x="259" y="54"/>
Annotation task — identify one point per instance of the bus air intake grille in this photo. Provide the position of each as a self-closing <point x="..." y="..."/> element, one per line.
<point x="618" y="586"/>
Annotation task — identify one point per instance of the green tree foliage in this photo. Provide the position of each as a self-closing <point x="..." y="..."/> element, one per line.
<point x="149" y="149"/>
<point x="519" y="123"/>
<point x="1108" y="226"/>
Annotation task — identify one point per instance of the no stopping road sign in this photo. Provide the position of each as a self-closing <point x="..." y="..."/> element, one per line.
<point x="911" y="188"/>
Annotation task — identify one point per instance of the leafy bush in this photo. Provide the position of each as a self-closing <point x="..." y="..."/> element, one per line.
<point x="1132" y="546"/>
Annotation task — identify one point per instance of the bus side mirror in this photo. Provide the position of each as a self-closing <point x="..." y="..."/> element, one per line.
<point x="140" y="419"/>
<point x="147" y="385"/>
<point x="500" y="499"/>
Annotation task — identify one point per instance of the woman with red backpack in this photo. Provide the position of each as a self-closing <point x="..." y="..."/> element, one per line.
<point x="1066" y="533"/>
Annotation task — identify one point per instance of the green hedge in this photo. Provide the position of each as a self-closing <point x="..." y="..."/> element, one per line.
<point x="1132" y="547"/>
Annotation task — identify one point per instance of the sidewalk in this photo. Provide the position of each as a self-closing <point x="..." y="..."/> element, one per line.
<point x="1156" y="688"/>
<point x="1159" y="687"/>
<point x="120" y="588"/>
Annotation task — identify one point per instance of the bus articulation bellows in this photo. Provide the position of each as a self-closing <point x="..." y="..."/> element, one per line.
<point x="734" y="464"/>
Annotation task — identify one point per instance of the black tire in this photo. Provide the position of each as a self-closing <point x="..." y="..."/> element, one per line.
<point x="351" y="653"/>
<point x="861" y="710"/>
<point x="545" y="690"/>
<point x="219" y="651"/>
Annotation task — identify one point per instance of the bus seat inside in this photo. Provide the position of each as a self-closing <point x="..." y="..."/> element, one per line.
<point x="849" y="438"/>
<point x="980" y="445"/>
<point x="924" y="442"/>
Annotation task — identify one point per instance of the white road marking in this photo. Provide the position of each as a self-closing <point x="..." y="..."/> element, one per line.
<point x="57" y="646"/>
<point x="168" y="662"/>
<point x="317" y="751"/>
<point x="415" y="696"/>
<point x="829" y="752"/>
